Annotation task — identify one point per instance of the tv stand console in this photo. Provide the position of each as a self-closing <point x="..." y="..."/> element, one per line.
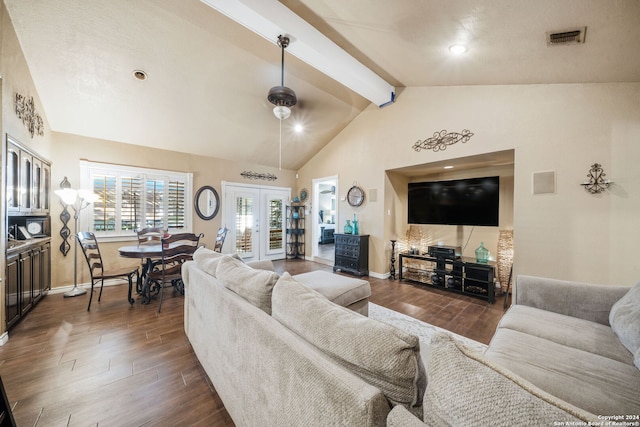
<point x="461" y="275"/>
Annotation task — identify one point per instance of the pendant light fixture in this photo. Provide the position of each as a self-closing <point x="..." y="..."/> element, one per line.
<point x="281" y="96"/>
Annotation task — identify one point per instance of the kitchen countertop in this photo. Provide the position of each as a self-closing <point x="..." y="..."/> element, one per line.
<point x="17" y="246"/>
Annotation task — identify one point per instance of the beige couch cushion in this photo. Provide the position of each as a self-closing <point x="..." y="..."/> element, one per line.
<point x="466" y="389"/>
<point x="572" y="332"/>
<point x="253" y="285"/>
<point x="344" y="291"/>
<point x="590" y="381"/>
<point x="625" y="321"/>
<point x="207" y="260"/>
<point x="382" y="355"/>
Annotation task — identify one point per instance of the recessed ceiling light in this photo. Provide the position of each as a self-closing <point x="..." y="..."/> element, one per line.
<point x="457" y="48"/>
<point x="298" y="128"/>
<point x="139" y="74"/>
<point x="448" y="167"/>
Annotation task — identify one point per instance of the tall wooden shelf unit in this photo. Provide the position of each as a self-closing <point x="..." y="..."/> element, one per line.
<point x="295" y="231"/>
<point x="461" y="275"/>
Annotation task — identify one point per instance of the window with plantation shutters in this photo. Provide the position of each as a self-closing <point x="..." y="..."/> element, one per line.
<point x="133" y="198"/>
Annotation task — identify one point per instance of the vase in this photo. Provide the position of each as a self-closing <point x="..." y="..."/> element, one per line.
<point x="347" y="228"/>
<point x="482" y="254"/>
<point x="355" y="226"/>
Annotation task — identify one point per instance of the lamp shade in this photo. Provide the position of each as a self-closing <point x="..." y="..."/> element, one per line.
<point x="88" y="196"/>
<point x="67" y="195"/>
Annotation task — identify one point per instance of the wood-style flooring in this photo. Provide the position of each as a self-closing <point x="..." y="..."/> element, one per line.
<point x="121" y="365"/>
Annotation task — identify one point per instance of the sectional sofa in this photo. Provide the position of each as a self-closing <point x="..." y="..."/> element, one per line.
<point x="566" y="353"/>
<point x="280" y="354"/>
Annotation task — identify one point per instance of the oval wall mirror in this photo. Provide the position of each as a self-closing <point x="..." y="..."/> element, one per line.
<point x="207" y="202"/>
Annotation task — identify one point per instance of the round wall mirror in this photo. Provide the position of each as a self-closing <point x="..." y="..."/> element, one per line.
<point x="207" y="202"/>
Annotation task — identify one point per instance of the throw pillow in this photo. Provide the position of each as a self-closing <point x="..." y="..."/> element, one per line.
<point x="466" y="389"/>
<point x="624" y="319"/>
<point x="207" y="260"/>
<point x="382" y="355"/>
<point x="253" y="285"/>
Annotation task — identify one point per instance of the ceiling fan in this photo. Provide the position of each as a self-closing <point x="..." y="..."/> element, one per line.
<point x="281" y="96"/>
<point x="331" y="191"/>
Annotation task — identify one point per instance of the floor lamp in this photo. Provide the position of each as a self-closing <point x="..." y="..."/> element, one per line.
<point x="76" y="200"/>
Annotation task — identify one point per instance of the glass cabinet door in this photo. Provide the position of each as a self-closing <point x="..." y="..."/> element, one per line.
<point x="13" y="178"/>
<point x="36" y="185"/>
<point x="46" y="186"/>
<point x="26" y="177"/>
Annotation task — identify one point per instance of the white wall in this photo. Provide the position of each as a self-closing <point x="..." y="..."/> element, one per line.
<point x="565" y="128"/>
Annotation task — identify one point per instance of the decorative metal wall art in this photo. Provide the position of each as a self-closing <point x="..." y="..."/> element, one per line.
<point x="65" y="216"/>
<point x="596" y="183"/>
<point x="259" y="175"/>
<point x="440" y="140"/>
<point x="26" y="111"/>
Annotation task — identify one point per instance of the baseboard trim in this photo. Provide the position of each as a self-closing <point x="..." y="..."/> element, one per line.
<point x="4" y="338"/>
<point x="379" y="275"/>
<point x="86" y="286"/>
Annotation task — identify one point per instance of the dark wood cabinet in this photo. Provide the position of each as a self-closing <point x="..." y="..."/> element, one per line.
<point x="12" y="290"/>
<point x="28" y="278"/>
<point x="352" y="253"/>
<point x="28" y="181"/>
<point x="462" y="275"/>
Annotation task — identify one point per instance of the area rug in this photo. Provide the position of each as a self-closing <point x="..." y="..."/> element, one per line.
<point x="423" y="330"/>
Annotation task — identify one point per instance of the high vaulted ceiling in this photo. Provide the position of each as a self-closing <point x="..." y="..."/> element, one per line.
<point x="208" y="77"/>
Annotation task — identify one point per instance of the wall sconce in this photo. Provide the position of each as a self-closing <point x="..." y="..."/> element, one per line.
<point x="596" y="183"/>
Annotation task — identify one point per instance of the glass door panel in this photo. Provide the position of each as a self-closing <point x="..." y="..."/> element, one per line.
<point x="255" y="219"/>
<point x="275" y="233"/>
<point x="244" y="224"/>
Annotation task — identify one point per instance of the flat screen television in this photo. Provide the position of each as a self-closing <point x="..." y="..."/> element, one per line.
<point x="472" y="201"/>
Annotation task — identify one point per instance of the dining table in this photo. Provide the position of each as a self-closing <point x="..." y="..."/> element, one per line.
<point x="152" y="253"/>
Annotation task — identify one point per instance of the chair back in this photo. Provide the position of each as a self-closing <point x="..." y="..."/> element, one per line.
<point x="149" y="235"/>
<point x="176" y="249"/>
<point x="6" y="416"/>
<point x="91" y="252"/>
<point x="222" y="234"/>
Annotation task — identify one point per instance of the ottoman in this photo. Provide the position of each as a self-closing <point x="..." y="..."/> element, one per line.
<point x="348" y="292"/>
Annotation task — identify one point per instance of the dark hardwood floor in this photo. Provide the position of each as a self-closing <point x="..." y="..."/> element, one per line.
<point x="127" y="365"/>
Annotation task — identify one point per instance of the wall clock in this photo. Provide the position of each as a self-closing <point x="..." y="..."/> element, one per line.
<point x="355" y="196"/>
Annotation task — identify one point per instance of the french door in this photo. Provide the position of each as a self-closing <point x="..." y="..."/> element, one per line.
<point x="254" y="216"/>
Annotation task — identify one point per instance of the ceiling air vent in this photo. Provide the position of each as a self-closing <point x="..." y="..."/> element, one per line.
<point x="572" y="36"/>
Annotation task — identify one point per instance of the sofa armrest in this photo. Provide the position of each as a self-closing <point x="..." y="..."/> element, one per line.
<point x="576" y="299"/>
<point x="401" y="417"/>
<point x="265" y="264"/>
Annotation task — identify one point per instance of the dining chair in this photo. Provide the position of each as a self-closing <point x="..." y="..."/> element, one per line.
<point x="222" y="234"/>
<point x="148" y="236"/>
<point x="176" y="249"/>
<point x="6" y="416"/>
<point x="92" y="254"/>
